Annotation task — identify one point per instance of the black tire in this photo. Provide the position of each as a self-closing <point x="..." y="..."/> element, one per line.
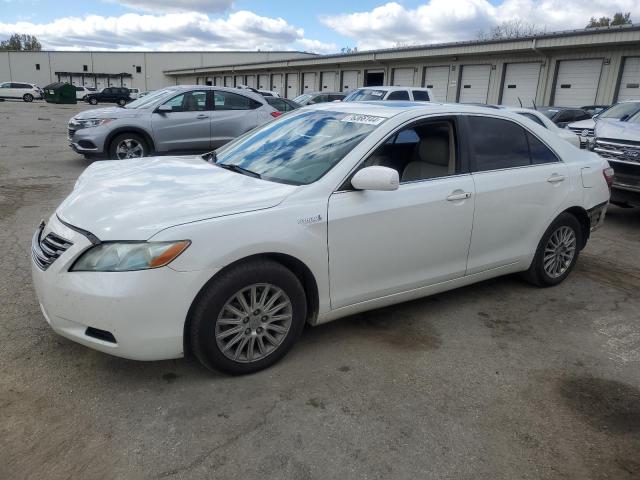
<point x="212" y="300"/>
<point x="122" y="102"/>
<point x="537" y="274"/>
<point x="27" y="97"/>
<point x="93" y="101"/>
<point x="113" y="146"/>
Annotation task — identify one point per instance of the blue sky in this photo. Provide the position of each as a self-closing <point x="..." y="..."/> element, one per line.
<point x="321" y="26"/>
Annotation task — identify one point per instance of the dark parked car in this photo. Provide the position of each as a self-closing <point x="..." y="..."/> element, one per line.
<point x="594" y="109"/>
<point x="119" y="95"/>
<point x="282" y="104"/>
<point x="319" y="97"/>
<point x="562" y="116"/>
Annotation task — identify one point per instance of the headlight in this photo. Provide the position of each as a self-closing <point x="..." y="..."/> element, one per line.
<point x="93" y="122"/>
<point x="129" y="256"/>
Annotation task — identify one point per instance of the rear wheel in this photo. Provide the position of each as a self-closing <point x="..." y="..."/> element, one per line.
<point x="248" y="318"/>
<point x="557" y="252"/>
<point x="93" y="101"/>
<point x="27" y="97"/>
<point x="128" y="145"/>
<point x="122" y="102"/>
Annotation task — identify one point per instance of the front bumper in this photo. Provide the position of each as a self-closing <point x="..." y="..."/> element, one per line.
<point x="87" y="140"/>
<point x="145" y="311"/>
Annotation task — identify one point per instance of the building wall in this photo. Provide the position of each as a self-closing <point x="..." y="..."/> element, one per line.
<point x="21" y="66"/>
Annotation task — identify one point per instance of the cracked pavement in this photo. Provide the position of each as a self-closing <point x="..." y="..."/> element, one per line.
<point x="498" y="380"/>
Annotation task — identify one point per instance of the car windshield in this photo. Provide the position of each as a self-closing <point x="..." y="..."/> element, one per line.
<point x="298" y="149"/>
<point x="365" y="94"/>
<point x="302" y="99"/>
<point x="149" y="98"/>
<point x="621" y="110"/>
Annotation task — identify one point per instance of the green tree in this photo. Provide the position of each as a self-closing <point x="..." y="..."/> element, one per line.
<point x="21" y="42"/>
<point x="619" y="18"/>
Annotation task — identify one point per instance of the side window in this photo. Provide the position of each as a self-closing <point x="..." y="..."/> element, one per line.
<point x="398" y="95"/>
<point x="566" y="116"/>
<point x="5" y="85"/>
<point x="233" y="101"/>
<point x="420" y="152"/>
<point x="420" y="95"/>
<point x="540" y="153"/>
<point x="107" y="91"/>
<point x="188" y="102"/>
<point x="79" y="89"/>
<point x="497" y="143"/>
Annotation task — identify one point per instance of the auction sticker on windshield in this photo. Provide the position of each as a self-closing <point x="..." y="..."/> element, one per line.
<point x="366" y="119"/>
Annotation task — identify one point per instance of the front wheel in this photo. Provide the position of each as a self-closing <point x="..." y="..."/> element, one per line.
<point x="248" y="318"/>
<point x="128" y="145"/>
<point x="122" y="102"/>
<point x="27" y="97"/>
<point x="93" y="101"/>
<point x="557" y="252"/>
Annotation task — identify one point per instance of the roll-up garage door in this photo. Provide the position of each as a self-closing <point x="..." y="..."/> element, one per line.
<point x="520" y="84"/>
<point x="474" y="83"/>
<point x="251" y="81"/>
<point x="630" y="80"/>
<point x="101" y="82"/>
<point x="276" y="83"/>
<point x="308" y="82"/>
<point x="76" y="80"/>
<point x="349" y="80"/>
<point x="239" y="80"/>
<point x="89" y="81"/>
<point x="328" y="81"/>
<point x="218" y="82"/>
<point x="437" y="79"/>
<point x="577" y="82"/>
<point x="403" y="77"/>
<point x="126" y="82"/>
<point x="293" y="87"/>
<point x="263" y="82"/>
<point x="228" y="81"/>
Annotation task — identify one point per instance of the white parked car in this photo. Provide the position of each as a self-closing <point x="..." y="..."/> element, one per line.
<point x="369" y="94"/>
<point x="543" y="120"/>
<point x="26" y="91"/>
<point x="134" y="93"/>
<point x="327" y="211"/>
<point x="82" y="91"/>
<point x="621" y="111"/>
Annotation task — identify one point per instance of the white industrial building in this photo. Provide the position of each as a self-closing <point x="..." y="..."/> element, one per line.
<point x="143" y="70"/>
<point x="573" y="68"/>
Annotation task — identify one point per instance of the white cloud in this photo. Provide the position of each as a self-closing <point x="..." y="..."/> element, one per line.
<point x="177" y="5"/>
<point x="439" y="21"/>
<point x="242" y="30"/>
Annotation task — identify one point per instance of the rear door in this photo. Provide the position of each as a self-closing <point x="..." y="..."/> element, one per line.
<point x="234" y="114"/>
<point x="187" y="126"/>
<point x="520" y="185"/>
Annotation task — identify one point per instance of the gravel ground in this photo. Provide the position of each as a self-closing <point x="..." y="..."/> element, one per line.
<point x="494" y="381"/>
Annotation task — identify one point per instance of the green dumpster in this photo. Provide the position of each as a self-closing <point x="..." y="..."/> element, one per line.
<point x="60" y="92"/>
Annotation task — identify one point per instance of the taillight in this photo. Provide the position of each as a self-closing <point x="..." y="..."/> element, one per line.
<point x="276" y="114"/>
<point x="608" y="175"/>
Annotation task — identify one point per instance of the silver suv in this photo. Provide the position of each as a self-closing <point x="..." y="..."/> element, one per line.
<point x="174" y="119"/>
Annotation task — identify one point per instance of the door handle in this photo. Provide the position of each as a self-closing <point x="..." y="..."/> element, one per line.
<point x="201" y="116"/>
<point x="458" y="196"/>
<point x="555" y="178"/>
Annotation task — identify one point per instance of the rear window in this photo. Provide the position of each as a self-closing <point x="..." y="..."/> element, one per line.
<point x="399" y="95"/>
<point x="420" y="95"/>
<point x="365" y="94"/>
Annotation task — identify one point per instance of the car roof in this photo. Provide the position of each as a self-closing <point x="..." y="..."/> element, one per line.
<point x="388" y="88"/>
<point x="239" y="91"/>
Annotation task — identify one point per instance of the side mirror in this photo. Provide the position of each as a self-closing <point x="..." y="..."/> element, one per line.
<point x="164" y="109"/>
<point x="376" y="178"/>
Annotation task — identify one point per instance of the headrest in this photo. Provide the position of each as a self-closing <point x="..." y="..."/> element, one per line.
<point x="434" y="150"/>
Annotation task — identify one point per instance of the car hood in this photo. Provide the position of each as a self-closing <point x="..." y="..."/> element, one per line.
<point x="582" y="124"/>
<point x="135" y="199"/>
<point x="618" y="130"/>
<point x="108" y="112"/>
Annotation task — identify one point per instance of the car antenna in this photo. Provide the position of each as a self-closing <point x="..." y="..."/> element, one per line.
<point x="520" y="101"/>
<point x="535" y="107"/>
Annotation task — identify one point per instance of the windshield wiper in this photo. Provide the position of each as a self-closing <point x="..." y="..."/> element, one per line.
<point x="238" y="169"/>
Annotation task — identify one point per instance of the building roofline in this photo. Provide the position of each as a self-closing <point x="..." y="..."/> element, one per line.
<point x="435" y="46"/>
<point x="161" y="51"/>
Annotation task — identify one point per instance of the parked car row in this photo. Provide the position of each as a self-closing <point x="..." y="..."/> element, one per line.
<point x="28" y="92"/>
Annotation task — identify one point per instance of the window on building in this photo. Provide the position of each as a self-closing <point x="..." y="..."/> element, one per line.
<point x="138" y="69"/>
<point x="85" y="68"/>
<point x="37" y="66"/>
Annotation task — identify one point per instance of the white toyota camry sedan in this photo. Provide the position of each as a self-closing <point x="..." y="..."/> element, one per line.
<point x="328" y="211"/>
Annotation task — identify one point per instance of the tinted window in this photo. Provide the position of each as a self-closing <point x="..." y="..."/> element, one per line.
<point x="277" y="103"/>
<point x="540" y="153"/>
<point x="399" y="95"/>
<point x="497" y="143"/>
<point x="20" y="85"/>
<point x="79" y="89"/>
<point x="5" y="85"/>
<point x="566" y="116"/>
<point x="188" y="102"/>
<point x="233" y="101"/>
<point x="420" y="95"/>
<point x="531" y="116"/>
<point x="335" y="97"/>
<point x="107" y="91"/>
<point x="365" y="94"/>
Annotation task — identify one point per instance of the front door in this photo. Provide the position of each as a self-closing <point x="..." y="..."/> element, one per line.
<point x="187" y="126"/>
<point x="381" y="243"/>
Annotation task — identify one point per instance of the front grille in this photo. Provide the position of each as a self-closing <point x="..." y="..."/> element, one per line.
<point x="584" y="134"/>
<point x="46" y="250"/>
<point x="625" y="151"/>
<point x="70" y="133"/>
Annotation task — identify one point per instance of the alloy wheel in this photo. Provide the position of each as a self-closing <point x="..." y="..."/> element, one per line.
<point x="559" y="251"/>
<point x="253" y="323"/>
<point x="129" y="148"/>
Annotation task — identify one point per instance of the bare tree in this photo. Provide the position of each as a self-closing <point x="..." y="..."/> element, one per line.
<point x="511" y="29"/>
